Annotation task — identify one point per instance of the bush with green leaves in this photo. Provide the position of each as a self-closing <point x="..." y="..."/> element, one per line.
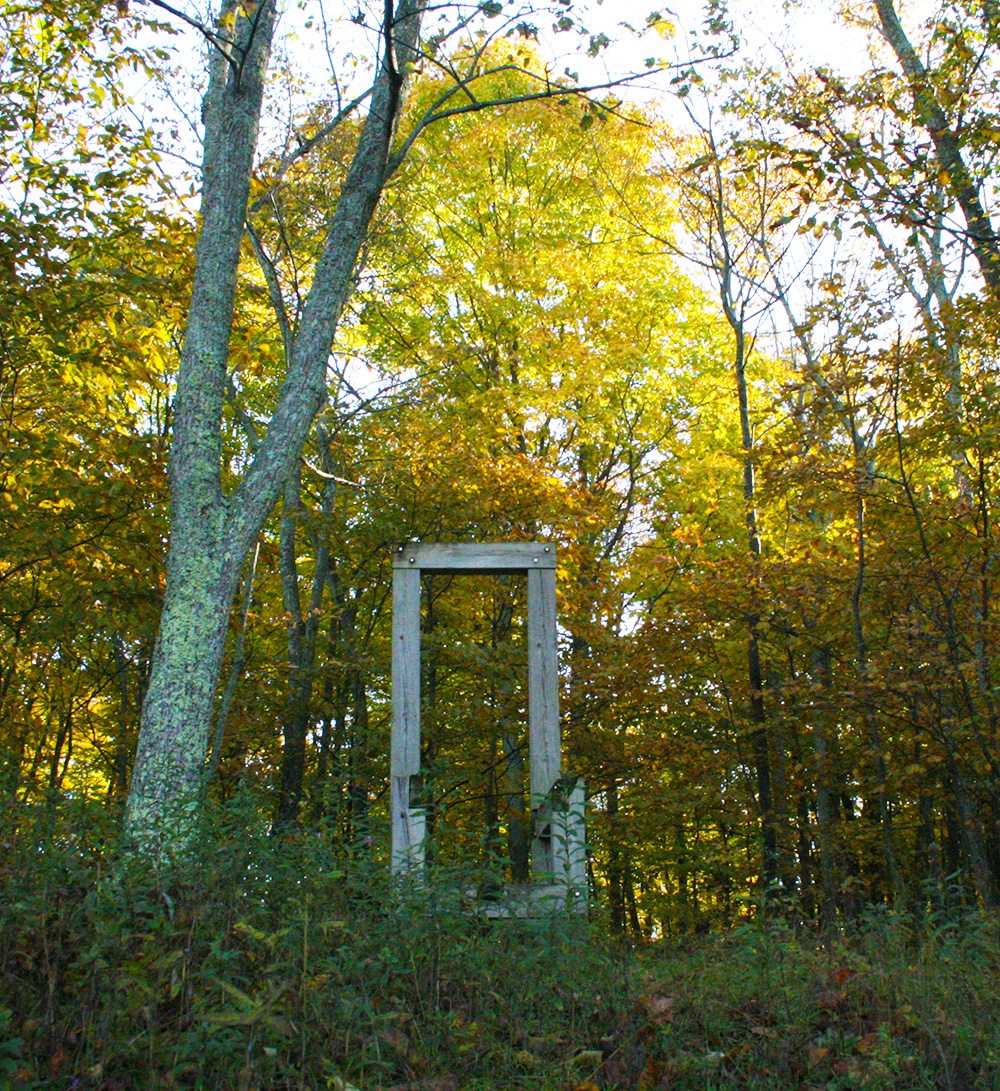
<point x="267" y="963"/>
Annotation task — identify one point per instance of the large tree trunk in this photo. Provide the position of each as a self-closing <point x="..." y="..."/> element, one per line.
<point x="210" y="533"/>
<point x="177" y="713"/>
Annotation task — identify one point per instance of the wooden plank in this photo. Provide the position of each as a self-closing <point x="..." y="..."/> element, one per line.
<point x="483" y="557"/>
<point x="399" y="809"/>
<point x="543" y="716"/>
<point x="543" y="860"/>
<point x="543" y="684"/>
<point x="576" y="837"/>
<point x="405" y="759"/>
<point x="532" y="900"/>
<point x="409" y="829"/>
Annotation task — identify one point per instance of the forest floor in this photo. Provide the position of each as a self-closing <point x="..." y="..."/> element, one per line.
<point x="268" y="965"/>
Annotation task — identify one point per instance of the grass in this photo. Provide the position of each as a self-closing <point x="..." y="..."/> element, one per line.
<point x="268" y="965"/>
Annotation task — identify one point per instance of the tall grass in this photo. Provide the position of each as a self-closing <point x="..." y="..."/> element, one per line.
<point x="267" y="963"/>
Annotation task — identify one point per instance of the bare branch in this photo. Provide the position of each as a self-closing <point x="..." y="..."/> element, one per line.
<point x="305" y="147"/>
<point x="213" y="39"/>
<point x="552" y="90"/>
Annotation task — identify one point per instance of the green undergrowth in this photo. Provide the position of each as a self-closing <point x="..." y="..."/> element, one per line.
<point x="274" y="963"/>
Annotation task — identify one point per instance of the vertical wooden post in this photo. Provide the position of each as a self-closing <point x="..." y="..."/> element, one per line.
<point x="544" y="740"/>
<point x="543" y="683"/>
<point x="408" y="825"/>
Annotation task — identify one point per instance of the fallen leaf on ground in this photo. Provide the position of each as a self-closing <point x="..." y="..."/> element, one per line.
<point x="587" y="1058"/>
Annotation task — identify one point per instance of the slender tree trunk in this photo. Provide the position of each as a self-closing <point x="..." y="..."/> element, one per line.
<point x="927" y="851"/>
<point x="804" y="841"/>
<point x="826" y="797"/>
<point x="953" y="836"/>
<point x="947" y="141"/>
<point x="972" y="839"/>
<point x="302" y="634"/>
<point x="631" y="904"/>
<point x="491" y="805"/>
<point x="868" y="712"/>
<point x="770" y="870"/>
<point x="616" y="860"/>
<point x="724" y="267"/>
<point x="118" y="777"/>
<point x="357" y="789"/>
<point x="341" y="648"/>
<point x="59" y="762"/>
<point x="826" y="812"/>
<point x="336" y="696"/>
<point x="298" y="684"/>
<point x="518" y="841"/>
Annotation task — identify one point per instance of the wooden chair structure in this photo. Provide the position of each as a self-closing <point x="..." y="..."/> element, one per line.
<point x="557" y="852"/>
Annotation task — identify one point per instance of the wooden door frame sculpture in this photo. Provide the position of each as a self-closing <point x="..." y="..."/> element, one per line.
<point x="558" y="858"/>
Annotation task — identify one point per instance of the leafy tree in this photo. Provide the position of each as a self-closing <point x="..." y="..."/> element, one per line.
<point x="89" y="255"/>
<point x="553" y="362"/>
<point x="212" y="530"/>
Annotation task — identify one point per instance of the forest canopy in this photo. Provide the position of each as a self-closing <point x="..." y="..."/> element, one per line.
<point x="725" y="334"/>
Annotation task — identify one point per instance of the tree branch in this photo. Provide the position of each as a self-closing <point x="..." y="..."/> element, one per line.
<point x="947" y="148"/>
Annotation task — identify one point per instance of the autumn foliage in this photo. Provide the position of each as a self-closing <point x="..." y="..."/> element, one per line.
<point x="741" y="367"/>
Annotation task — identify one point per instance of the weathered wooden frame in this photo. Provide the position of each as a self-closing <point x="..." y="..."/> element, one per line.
<point x="556" y="825"/>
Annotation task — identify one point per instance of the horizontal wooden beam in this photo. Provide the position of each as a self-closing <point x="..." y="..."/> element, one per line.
<point x="485" y="557"/>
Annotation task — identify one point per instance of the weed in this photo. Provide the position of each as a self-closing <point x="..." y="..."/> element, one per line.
<point x="267" y="964"/>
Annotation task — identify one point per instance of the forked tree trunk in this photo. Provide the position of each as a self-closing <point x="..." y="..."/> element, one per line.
<point x="210" y="532"/>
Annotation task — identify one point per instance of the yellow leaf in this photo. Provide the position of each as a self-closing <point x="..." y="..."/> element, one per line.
<point x="337" y="1083"/>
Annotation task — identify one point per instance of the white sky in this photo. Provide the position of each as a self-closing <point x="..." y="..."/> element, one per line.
<point x="809" y="33"/>
<point x="810" y="30"/>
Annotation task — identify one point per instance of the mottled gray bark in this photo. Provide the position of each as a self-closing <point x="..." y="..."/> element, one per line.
<point x="236" y="666"/>
<point x="210" y="532"/>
